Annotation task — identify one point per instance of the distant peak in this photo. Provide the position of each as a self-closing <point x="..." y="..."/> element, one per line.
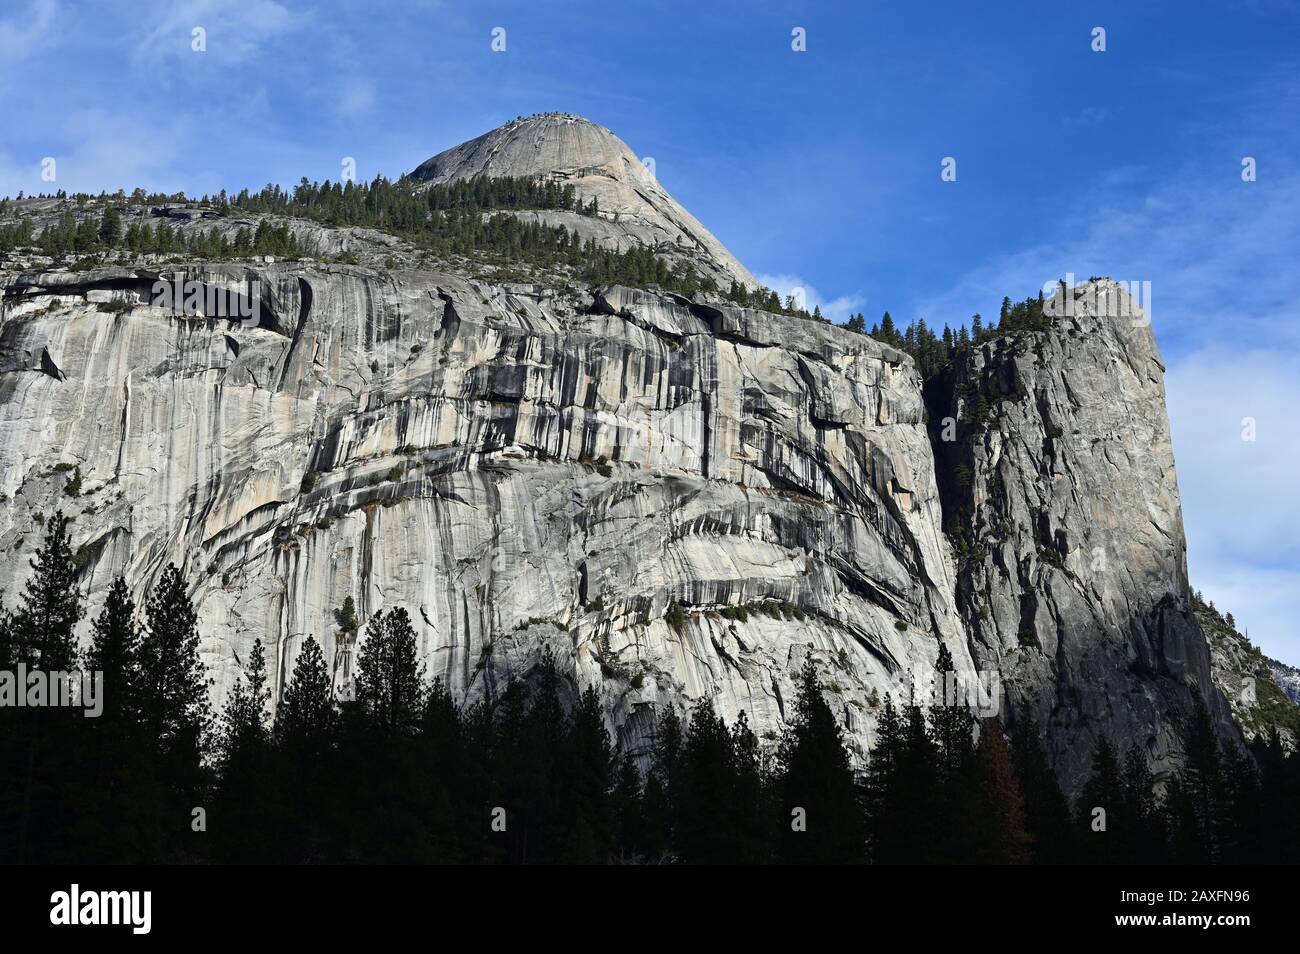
<point x="634" y="209"/>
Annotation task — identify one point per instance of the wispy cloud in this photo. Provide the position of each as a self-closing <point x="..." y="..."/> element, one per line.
<point x="1239" y="500"/>
<point x="836" y="309"/>
<point x="26" y="31"/>
<point x="1219" y="253"/>
<point x="233" y="29"/>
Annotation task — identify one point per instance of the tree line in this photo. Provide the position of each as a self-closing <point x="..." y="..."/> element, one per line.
<point x="400" y="772"/>
<point x="932" y="352"/>
<point x="447" y="219"/>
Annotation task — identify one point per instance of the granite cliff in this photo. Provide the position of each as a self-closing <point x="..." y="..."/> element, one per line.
<point x="681" y="496"/>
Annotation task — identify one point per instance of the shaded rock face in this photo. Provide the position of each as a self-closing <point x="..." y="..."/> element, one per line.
<point x="682" y="500"/>
<point x="1060" y="493"/>
<point x="634" y="208"/>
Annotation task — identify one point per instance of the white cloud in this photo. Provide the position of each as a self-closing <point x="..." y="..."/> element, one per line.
<point x="836" y="309"/>
<point x="1240" y="505"/>
<point x="107" y="151"/>
<point x="235" y="29"/>
<point x="356" y="99"/>
<point x="22" y="34"/>
<point x="1220" y="256"/>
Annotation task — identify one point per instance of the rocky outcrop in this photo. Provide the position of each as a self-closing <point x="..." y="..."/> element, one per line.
<point x="634" y="208"/>
<point x="1061" y="497"/>
<point x="1261" y="692"/>
<point x="682" y="499"/>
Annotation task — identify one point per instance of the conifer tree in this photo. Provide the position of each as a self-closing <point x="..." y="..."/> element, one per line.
<point x="663" y="782"/>
<point x="816" y="777"/>
<point x="952" y="727"/>
<point x="886" y="795"/>
<point x="110" y="226"/>
<point x="1047" y="812"/>
<point x="51" y="604"/>
<point x="1142" y="822"/>
<point x="241" y="831"/>
<point x="173" y="680"/>
<point x="588" y="775"/>
<point x="1198" y="799"/>
<point x="390" y="677"/>
<point x="115" y="654"/>
<point x="629" y="810"/>
<point x="1101" y="806"/>
<point x="175" y="719"/>
<point x="999" y="825"/>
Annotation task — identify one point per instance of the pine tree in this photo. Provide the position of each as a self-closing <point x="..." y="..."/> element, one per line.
<point x="628" y="810"/>
<point x="1001" y="837"/>
<point x="1047" y="813"/>
<point x="1100" y="808"/>
<point x="244" y="823"/>
<point x="38" y="759"/>
<point x="110" y="226"/>
<point x="886" y="795"/>
<point x="1201" y="786"/>
<point x="115" y="654"/>
<point x="390" y="677"/>
<point x="1142" y="823"/>
<point x="589" y="779"/>
<point x="173" y="679"/>
<point x="816" y="778"/>
<point x="662" y="784"/>
<point x="175" y="718"/>
<point x="305" y="716"/>
<point x="952" y="727"/>
<point x="51" y="605"/>
<point x="244" y="719"/>
<point x="305" y="783"/>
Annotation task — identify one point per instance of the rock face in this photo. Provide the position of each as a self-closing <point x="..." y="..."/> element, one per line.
<point x="1059" y="486"/>
<point x="634" y="208"/>
<point x="609" y="473"/>
<point x="1262" y="692"/>
<point x="682" y="498"/>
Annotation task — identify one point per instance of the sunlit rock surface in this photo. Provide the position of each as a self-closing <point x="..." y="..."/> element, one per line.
<point x="634" y="208"/>
<point x="605" y="471"/>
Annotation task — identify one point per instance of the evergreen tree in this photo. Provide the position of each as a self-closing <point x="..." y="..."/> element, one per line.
<point x="1142" y="823"/>
<point x="51" y="604"/>
<point x="241" y="808"/>
<point x="390" y="677"/>
<point x="662" y="784"/>
<point x="305" y="716"/>
<point x="1100" y="808"/>
<point x="1047" y="813"/>
<point x="115" y="654"/>
<point x="305" y="783"/>
<point x="1197" y="798"/>
<point x="588" y="773"/>
<point x="1001" y="835"/>
<point x="629" y="810"/>
<point x="816" y="778"/>
<point x="110" y="226"/>
<point x="952" y="727"/>
<point x="175" y="716"/>
<point x="40" y="752"/>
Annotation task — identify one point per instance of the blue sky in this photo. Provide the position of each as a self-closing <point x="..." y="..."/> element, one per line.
<point x="818" y="169"/>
